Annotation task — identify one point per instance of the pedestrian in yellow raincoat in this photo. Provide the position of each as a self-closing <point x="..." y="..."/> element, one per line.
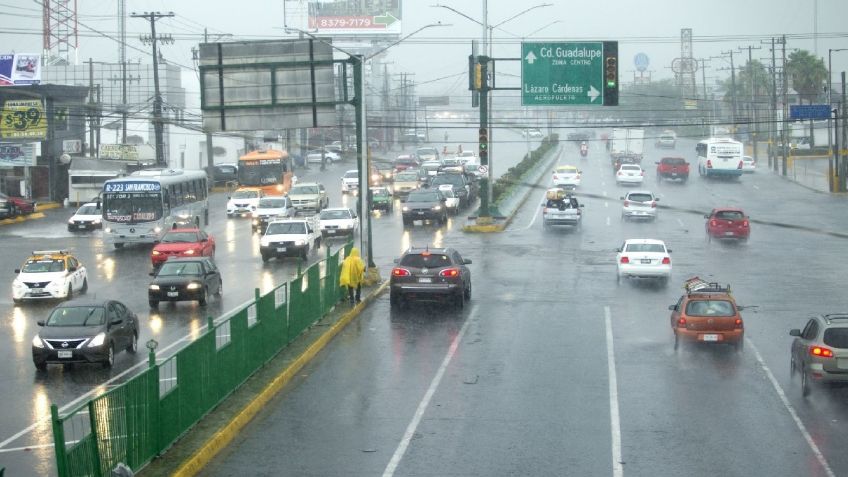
<point x="352" y="275"/>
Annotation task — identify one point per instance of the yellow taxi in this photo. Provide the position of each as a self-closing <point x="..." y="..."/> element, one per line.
<point x="49" y="274"/>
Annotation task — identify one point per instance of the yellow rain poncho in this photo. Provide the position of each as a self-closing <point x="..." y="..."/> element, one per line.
<point x="353" y="270"/>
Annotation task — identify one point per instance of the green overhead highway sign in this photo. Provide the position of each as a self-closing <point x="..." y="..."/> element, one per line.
<point x="567" y="73"/>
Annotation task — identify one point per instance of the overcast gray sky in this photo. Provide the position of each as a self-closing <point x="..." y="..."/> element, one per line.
<point x="648" y="26"/>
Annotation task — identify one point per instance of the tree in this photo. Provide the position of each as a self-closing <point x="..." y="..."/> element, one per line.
<point x="807" y="73"/>
<point x="761" y="81"/>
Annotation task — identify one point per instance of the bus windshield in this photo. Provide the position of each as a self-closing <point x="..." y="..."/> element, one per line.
<point x="132" y="208"/>
<point x="260" y="173"/>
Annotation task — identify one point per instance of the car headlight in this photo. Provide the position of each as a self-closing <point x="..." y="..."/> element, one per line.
<point x="155" y="252"/>
<point x="98" y="220"/>
<point x="438" y="207"/>
<point x="157" y="229"/>
<point x="154" y="287"/>
<point x="255" y="214"/>
<point x="98" y="340"/>
<point x="36" y="342"/>
<point x="264" y="242"/>
<point x="108" y="230"/>
<point x="300" y="242"/>
<point x="279" y="187"/>
<point x="256" y="221"/>
<point x="193" y="286"/>
<point x="405" y="208"/>
<point x="71" y="220"/>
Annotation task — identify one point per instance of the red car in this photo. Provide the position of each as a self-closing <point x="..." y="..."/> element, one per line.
<point x="673" y="168"/>
<point x="187" y="242"/>
<point x="17" y="205"/>
<point x="728" y="223"/>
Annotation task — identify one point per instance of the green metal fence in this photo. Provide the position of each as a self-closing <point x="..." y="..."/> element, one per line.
<point x="137" y="420"/>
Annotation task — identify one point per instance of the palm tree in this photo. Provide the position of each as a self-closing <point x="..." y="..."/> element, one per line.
<point x="807" y="73"/>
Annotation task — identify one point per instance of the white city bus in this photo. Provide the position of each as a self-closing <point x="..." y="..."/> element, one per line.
<point x="141" y="207"/>
<point x="719" y="157"/>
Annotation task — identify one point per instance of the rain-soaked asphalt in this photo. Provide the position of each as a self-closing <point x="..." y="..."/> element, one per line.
<point x="554" y="369"/>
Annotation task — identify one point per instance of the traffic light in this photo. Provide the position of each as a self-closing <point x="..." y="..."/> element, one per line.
<point x="484" y="146"/>
<point x="478" y="76"/>
<point x="610" y="73"/>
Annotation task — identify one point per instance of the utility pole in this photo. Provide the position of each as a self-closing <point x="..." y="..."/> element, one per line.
<point x="753" y="108"/>
<point x="732" y="87"/>
<point x="122" y="54"/>
<point x="210" y="159"/>
<point x="485" y="215"/>
<point x="844" y="136"/>
<point x="157" y="96"/>
<point x="772" y="161"/>
<point x="784" y="87"/>
<point x="90" y="108"/>
<point x="704" y="78"/>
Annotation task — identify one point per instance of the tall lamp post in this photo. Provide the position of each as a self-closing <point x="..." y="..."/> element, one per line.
<point x="362" y="131"/>
<point x="484" y="208"/>
<point x="834" y="165"/>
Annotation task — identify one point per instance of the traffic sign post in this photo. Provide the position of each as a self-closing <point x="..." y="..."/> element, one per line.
<point x="569" y="73"/>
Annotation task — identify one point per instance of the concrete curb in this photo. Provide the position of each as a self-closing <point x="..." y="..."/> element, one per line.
<point x="35" y="215"/>
<point x="222" y="438"/>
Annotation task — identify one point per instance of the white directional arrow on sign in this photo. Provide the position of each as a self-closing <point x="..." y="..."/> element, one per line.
<point x="530" y="57"/>
<point x="593" y="93"/>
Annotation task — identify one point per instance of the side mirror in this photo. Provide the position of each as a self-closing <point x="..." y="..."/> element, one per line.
<point x="582" y="205"/>
<point x="668" y="250"/>
<point x="396" y="261"/>
<point x="152" y="274"/>
<point x="795" y="332"/>
<point x="618" y="250"/>
<point x="706" y="216"/>
<point x="17" y="270"/>
<point x="656" y="199"/>
<point x="621" y="198"/>
<point x="72" y="269"/>
<point x="672" y="307"/>
<point x="204" y="239"/>
<point x="466" y="261"/>
<point x="40" y="322"/>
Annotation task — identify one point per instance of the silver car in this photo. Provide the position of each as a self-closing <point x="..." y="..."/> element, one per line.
<point x="639" y="204"/>
<point x="820" y="351"/>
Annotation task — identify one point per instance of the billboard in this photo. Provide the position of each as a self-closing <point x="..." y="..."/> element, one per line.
<point x="119" y="152"/>
<point x="20" y="69"/>
<point x="17" y="154"/>
<point x="23" y="118"/>
<point x="356" y="18"/>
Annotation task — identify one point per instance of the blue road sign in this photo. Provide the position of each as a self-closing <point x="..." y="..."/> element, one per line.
<point x="641" y="61"/>
<point x="809" y="111"/>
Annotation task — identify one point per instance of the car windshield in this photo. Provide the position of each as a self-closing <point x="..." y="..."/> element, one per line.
<point x="836" y="337"/>
<point x="77" y="316"/>
<point x="180" y="237"/>
<point x="272" y="203"/>
<point x="423" y="197"/>
<point x="304" y="190"/>
<point x="44" y="266"/>
<point x="246" y="194"/>
<point x="453" y="179"/>
<point x="170" y="269"/>
<point x="730" y="215"/>
<point x="710" y="308"/>
<point x="406" y="177"/>
<point x="379" y="192"/>
<point x="88" y="210"/>
<point x="335" y="214"/>
<point x="645" y="247"/>
<point x="637" y="197"/>
<point x="286" y="228"/>
<point x="420" y="260"/>
<point x="351" y="174"/>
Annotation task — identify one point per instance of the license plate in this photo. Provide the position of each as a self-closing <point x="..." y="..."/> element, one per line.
<point x="36" y="290"/>
<point x="81" y="226"/>
<point x="709" y="337"/>
<point x="173" y="294"/>
<point x="420" y="213"/>
<point x="66" y="354"/>
<point x="331" y="231"/>
<point x="728" y="234"/>
<point x="281" y="249"/>
<point x="425" y="280"/>
<point x="673" y="174"/>
<point x="646" y="261"/>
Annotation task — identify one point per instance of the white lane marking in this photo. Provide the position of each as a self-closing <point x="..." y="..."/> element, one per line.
<point x="615" y="422"/>
<point x="756" y="187"/>
<point x="606" y="204"/>
<point x="537" y="213"/>
<point x="425" y="401"/>
<point x="807" y="437"/>
<point x="680" y="222"/>
<point x="604" y="193"/>
<point x="608" y="220"/>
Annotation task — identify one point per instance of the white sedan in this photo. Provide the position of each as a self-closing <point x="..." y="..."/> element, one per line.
<point x="644" y="258"/>
<point x="338" y="222"/>
<point x="629" y="174"/>
<point x="749" y="164"/>
<point x="314" y="157"/>
<point x="566" y="177"/>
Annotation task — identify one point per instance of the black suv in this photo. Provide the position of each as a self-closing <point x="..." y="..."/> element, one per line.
<point x="425" y="204"/>
<point x="430" y="274"/>
<point x="185" y="279"/>
<point x="463" y="188"/>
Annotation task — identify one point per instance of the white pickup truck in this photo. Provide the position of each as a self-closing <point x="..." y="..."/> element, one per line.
<point x="290" y="238"/>
<point x="560" y="208"/>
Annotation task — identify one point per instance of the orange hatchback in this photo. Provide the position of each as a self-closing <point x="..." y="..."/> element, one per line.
<point x="707" y="313"/>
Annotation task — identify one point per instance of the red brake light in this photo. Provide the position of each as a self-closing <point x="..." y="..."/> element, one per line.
<point x="666" y="261"/>
<point x="400" y="272"/>
<point x="449" y="273"/>
<point x="821" y="351"/>
<point x="681" y="322"/>
<point x="626" y="203"/>
<point x="709" y="164"/>
<point x="713" y="222"/>
<point x="653" y="204"/>
<point x="744" y="223"/>
<point x="641" y="173"/>
<point x="738" y="322"/>
<point x="740" y="165"/>
<point x="625" y="260"/>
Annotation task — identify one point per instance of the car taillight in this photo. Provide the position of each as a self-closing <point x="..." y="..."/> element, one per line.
<point x="653" y="205"/>
<point x="578" y="176"/>
<point x="400" y="272"/>
<point x="713" y="223"/>
<point x="740" y="165"/>
<point x="666" y="261"/>
<point x="449" y="273"/>
<point x="709" y="164"/>
<point x="641" y="173"/>
<point x="681" y="322"/>
<point x="744" y="223"/>
<point x="821" y="352"/>
<point x="626" y="203"/>
<point x="738" y="323"/>
<point x="625" y="260"/>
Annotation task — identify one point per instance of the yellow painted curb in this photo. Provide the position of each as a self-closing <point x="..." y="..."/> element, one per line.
<point x="223" y="437"/>
<point x="484" y="229"/>
<point x="47" y="205"/>
<point x="22" y="218"/>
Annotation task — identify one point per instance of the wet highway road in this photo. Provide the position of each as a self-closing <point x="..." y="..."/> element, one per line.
<point x="25" y="434"/>
<point x="555" y="369"/>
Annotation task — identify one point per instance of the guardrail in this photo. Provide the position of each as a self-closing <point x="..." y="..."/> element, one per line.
<point x="137" y="420"/>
